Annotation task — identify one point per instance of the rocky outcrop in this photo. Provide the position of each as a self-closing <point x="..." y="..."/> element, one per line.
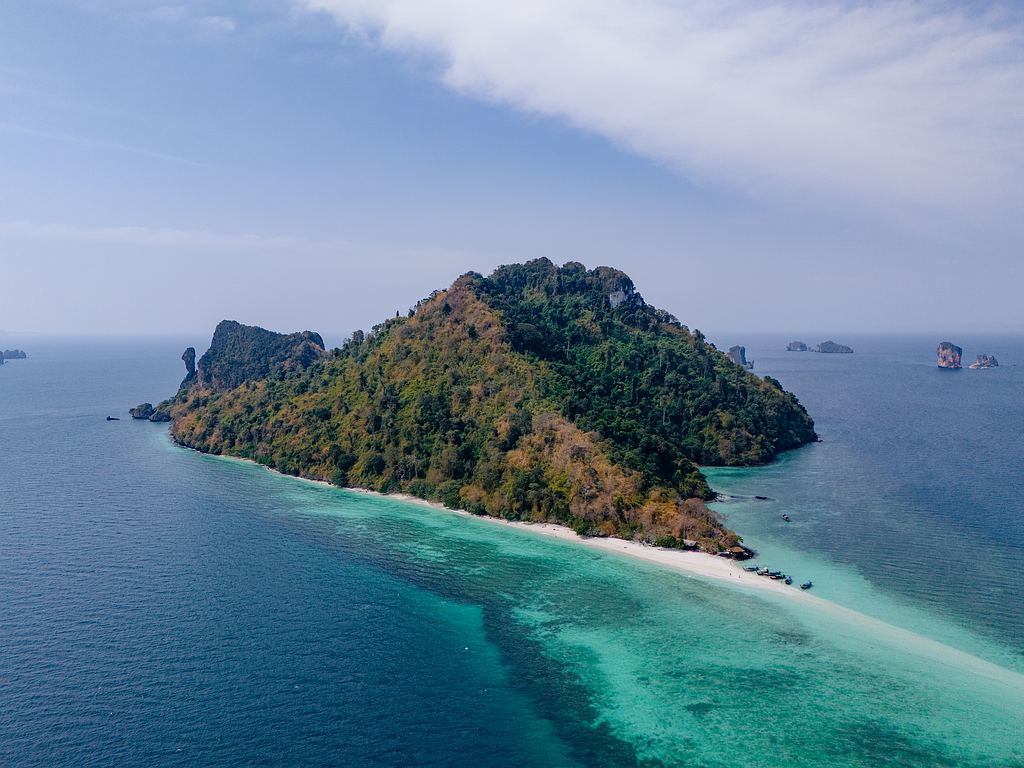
<point x="984" y="361"/>
<point x="796" y="346"/>
<point x="142" y="411"/>
<point x="13" y="354"/>
<point x="738" y="355"/>
<point x="189" y="358"/>
<point x="830" y="347"/>
<point x="948" y="355"/>
<point x="146" y="412"/>
<point x="240" y="353"/>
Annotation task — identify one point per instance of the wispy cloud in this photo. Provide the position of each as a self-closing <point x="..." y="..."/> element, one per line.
<point x="216" y="23"/>
<point x="901" y="106"/>
<point x="88" y="141"/>
<point x="199" y="15"/>
<point x="162" y="237"/>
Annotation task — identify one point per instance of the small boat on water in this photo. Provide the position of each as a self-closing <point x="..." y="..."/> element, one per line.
<point x="789" y="579"/>
<point x="751" y="568"/>
<point x="786" y="518"/>
<point x="112" y="418"/>
<point x="807" y="585"/>
<point x="777" y="576"/>
<point x="763" y="572"/>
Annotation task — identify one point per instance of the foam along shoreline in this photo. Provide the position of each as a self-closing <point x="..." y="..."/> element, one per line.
<point x="852" y="626"/>
<point x="695" y="563"/>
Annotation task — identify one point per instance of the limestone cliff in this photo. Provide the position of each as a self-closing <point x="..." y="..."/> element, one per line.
<point x="189" y="358"/>
<point x="240" y="353"/>
<point x="984" y="361"/>
<point x="738" y="355"/>
<point x="948" y="355"/>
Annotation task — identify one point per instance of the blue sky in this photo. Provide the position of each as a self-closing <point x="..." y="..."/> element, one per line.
<point x="322" y="163"/>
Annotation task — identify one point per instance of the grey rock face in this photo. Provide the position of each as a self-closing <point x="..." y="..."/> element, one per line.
<point x="189" y="358"/>
<point x="738" y="355"/>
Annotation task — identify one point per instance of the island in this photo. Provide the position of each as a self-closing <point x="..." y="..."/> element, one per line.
<point x="539" y="393"/>
<point x="830" y="347"/>
<point x="738" y="355"/>
<point x="796" y="346"/>
<point x="948" y="355"/>
<point x="984" y="361"/>
<point x="13" y="354"/>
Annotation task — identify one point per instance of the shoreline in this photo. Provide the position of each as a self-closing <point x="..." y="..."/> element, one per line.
<point x="689" y="562"/>
<point x="686" y="561"/>
<point x="704" y="566"/>
<point x="700" y="564"/>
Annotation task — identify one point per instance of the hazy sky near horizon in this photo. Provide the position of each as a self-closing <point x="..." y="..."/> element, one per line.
<point x="320" y="164"/>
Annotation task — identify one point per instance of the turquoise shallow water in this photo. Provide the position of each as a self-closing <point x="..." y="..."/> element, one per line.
<point x="164" y="607"/>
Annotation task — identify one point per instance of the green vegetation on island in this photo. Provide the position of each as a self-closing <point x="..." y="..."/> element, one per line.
<point x="538" y="393"/>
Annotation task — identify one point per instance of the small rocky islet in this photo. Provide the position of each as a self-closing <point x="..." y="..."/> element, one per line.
<point x="826" y="347"/>
<point x="984" y="361"/>
<point x="12" y="354"/>
<point x="950" y="357"/>
<point x="832" y="348"/>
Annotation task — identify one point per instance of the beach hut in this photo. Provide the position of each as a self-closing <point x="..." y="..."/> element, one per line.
<point x="740" y="553"/>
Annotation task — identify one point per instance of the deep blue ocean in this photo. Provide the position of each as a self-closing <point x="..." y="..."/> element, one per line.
<point x="161" y="607"/>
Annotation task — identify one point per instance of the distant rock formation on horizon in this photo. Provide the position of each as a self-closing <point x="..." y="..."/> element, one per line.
<point x="830" y="347"/>
<point x="738" y="355"/>
<point x="949" y="355"/>
<point x="13" y="354"/>
<point x="984" y="361"/>
<point x="796" y="346"/>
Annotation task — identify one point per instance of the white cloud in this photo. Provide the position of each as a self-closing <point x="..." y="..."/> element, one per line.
<point x="900" y="106"/>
